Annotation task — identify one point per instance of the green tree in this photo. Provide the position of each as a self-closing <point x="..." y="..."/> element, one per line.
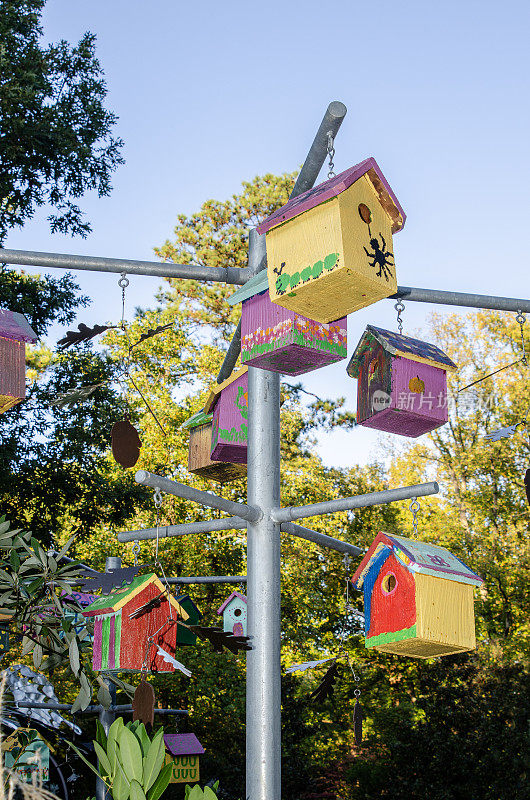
<point x="55" y="132"/>
<point x="55" y="475"/>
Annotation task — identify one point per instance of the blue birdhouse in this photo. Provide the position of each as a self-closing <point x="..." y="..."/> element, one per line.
<point x="234" y="611"/>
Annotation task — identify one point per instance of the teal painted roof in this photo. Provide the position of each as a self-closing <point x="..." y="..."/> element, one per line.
<point x="258" y="283"/>
<point x="200" y="418"/>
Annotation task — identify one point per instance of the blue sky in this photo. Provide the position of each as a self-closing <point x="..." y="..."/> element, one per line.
<point x="210" y="94"/>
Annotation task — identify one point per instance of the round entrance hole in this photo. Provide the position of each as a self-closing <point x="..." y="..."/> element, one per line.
<point x="365" y="213"/>
<point x="389" y="583"/>
<point x="237" y="612"/>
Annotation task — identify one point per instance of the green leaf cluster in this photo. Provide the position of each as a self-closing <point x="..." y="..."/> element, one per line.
<point x="196" y="793"/>
<point x="130" y="762"/>
<point x="56" y="138"/>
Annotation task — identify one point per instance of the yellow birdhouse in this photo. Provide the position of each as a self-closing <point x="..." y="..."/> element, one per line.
<point x="418" y="598"/>
<point x="329" y="250"/>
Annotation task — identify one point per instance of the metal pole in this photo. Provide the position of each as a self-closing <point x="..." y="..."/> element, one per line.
<point x="107" y="715"/>
<point x="205" y="526"/>
<point x="208" y="579"/>
<point x="358" y="501"/>
<point x="97" y="264"/>
<point x="263" y="729"/>
<point x="121" y="709"/>
<point x="257" y="252"/>
<point x="461" y="299"/>
<point x="208" y="499"/>
<point x="330" y="124"/>
<point x="320" y="539"/>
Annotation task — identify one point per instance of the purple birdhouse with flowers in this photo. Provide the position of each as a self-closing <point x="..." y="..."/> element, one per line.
<point x="229" y="401"/>
<point x="282" y="340"/>
<point x="401" y="383"/>
<point x="15" y="331"/>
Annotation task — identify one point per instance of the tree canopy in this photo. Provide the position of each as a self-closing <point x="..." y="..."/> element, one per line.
<point x="56" y="138"/>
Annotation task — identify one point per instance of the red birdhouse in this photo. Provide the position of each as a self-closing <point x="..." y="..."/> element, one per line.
<point x="15" y="331"/>
<point x="133" y="627"/>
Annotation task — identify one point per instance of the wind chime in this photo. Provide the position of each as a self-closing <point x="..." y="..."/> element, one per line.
<point x="510" y="430"/>
<point x="126" y="442"/>
<point x="326" y="687"/>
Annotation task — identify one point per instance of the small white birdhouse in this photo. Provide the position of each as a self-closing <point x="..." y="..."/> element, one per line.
<point x="234" y="611"/>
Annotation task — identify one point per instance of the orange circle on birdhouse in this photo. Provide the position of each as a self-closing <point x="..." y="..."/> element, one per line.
<point x="365" y="213"/>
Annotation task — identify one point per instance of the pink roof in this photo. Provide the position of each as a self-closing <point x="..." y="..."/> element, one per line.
<point x="15" y="326"/>
<point x="183" y="744"/>
<point x="229" y="599"/>
<point x="335" y="186"/>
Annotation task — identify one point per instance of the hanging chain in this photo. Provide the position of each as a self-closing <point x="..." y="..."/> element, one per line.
<point x="414" y="509"/>
<point x="136" y="552"/>
<point x="157" y="500"/>
<point x="123" y="284"/>
<point x="331" y="154"/>
<point x="400" y="307"/>
<point x="347" y="561"/>
<point x="521" y="319"/>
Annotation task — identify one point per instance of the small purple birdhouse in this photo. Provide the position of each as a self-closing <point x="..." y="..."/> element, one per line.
<point x="234" y="611"/>
<point x="229" y="401"/>
<point x="401" y="383"/>
<point x="15" y="331"/>
<point x="280" y="339"/>
<point x="183" y="751"/>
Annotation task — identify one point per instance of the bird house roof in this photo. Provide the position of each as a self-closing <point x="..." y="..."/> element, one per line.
<point x="229" y="600"/>
<point x="188" y="605"/>
<point x="15" y="326"/>
<point x="216" y="390"/>
<point x="335" y="186"/>
<point x="398" y="345"/>
<point x="423" y="557"/>
<point x="256" y="285"/>
<point x="183" y="744"/>
<point x="200" y="418"/>
<point x="120" y="597"/>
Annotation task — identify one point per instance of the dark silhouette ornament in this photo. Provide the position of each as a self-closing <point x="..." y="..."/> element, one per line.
<point x="143" y="703"/>
<point x="358" y="722"/>
<point x="125" y="443"/>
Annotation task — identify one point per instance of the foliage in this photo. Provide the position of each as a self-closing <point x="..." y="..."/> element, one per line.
<point x="55" y="132"/>
<point x="197" y="793"/>
<point x="130" y="762"/>
<point x="36" y="598"/>
<point x="54" y="468"/>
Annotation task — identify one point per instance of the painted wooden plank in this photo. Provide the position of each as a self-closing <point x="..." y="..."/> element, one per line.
<point x="96" y="647"/>
<point x="117" y="640"/>
<point x="445" y="612"/>
<point x="112" y="642"/>
<point x="105" y="636"/>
